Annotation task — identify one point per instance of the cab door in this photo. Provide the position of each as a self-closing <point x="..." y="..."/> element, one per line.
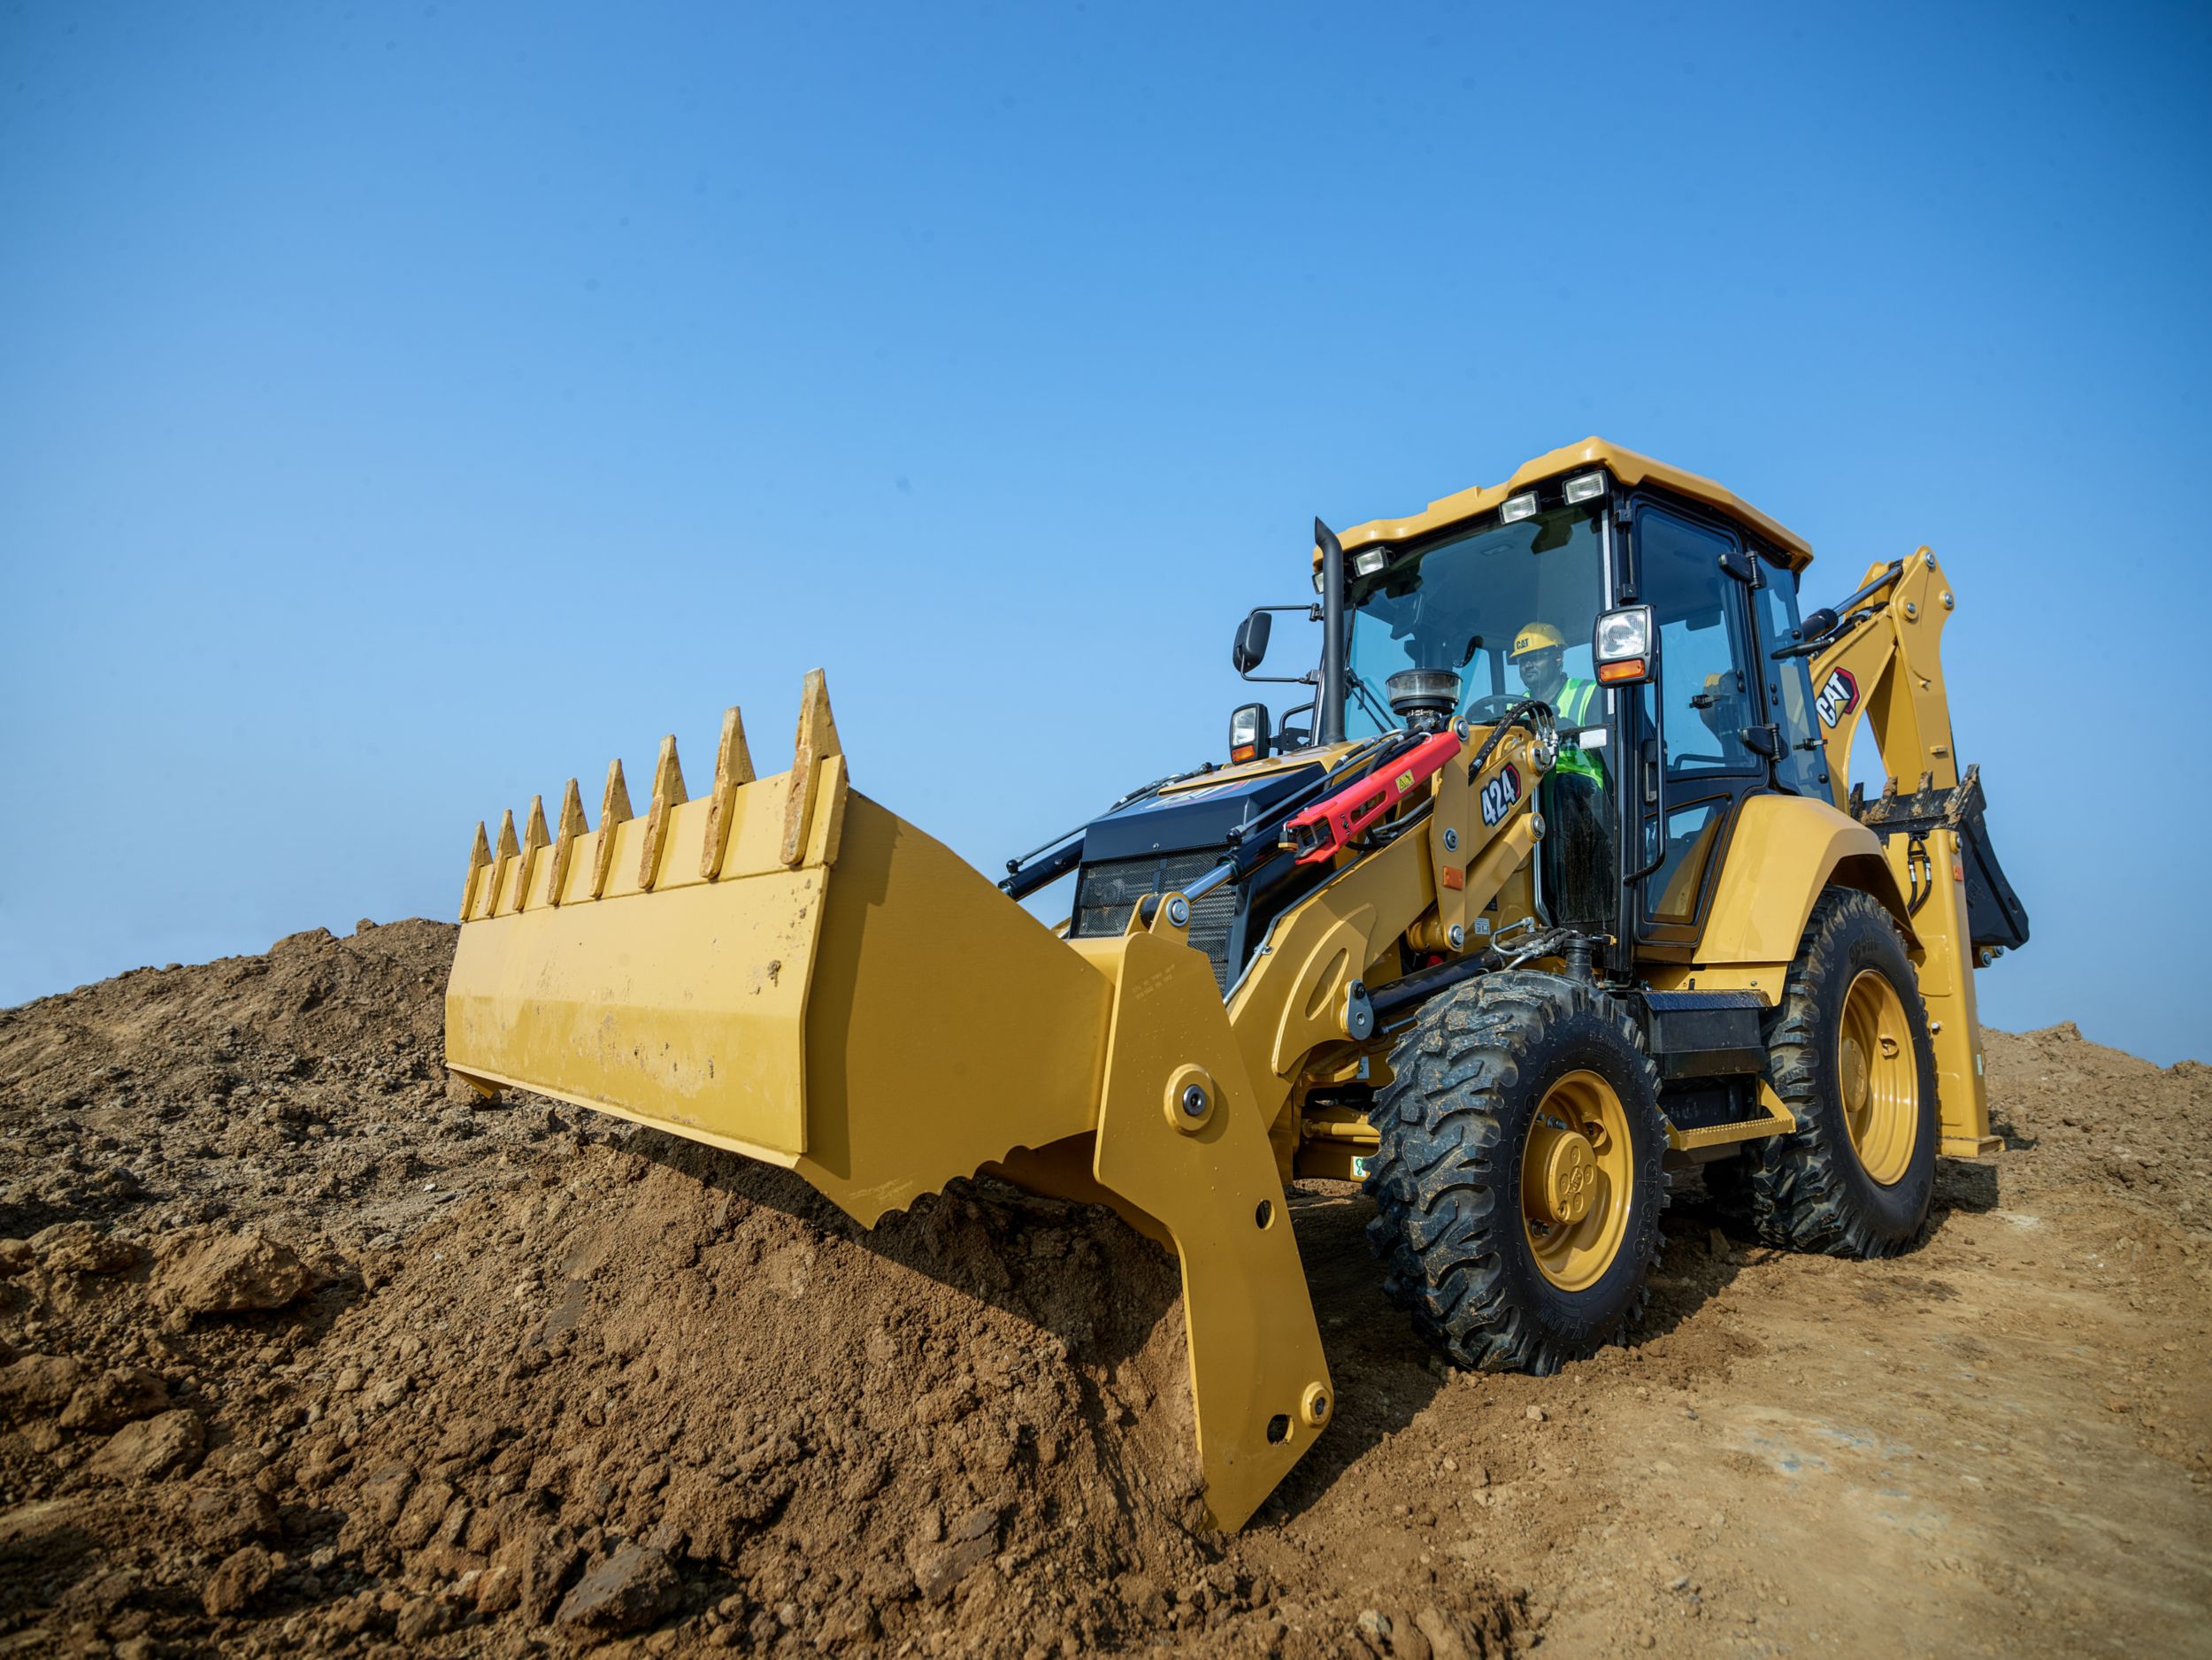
<point x="1705" y="739"/>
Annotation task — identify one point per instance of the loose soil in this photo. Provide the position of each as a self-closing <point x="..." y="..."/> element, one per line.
<point x="303" y="1348"/>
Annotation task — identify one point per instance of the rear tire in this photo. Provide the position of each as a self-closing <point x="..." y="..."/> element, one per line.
<point x="1849" y="1055"/>
<point x="1518" y="1186"/>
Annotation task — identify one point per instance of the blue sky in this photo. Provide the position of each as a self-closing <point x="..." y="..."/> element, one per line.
<point x="404" y="408"/>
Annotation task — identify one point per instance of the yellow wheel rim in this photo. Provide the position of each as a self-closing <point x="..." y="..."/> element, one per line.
<point x="1577" y="1180"/>
<point x="1878" y="1078"/>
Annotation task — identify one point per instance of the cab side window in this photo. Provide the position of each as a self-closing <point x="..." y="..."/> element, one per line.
<point x="1710" y="696"/>
<point x="1803" y="766"/>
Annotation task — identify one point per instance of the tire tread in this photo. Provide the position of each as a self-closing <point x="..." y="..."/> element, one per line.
<point x="1796" y="1192"/>
<point x="1445" y="1187"/>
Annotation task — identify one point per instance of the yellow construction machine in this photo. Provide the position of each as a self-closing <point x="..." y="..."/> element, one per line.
<point x="1554" y="891"/>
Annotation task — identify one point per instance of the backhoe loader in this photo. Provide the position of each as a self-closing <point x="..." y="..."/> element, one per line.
<point x="1552" y="890"/>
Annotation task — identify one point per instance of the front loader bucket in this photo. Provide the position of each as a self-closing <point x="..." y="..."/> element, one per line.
<point x="785" y="969"/>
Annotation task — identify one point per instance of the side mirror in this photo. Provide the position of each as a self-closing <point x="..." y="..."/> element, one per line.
<point x="1248" y="733"/>
<point x="1250" y="649"/>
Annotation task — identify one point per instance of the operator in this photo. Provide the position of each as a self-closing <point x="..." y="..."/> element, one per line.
<point x="1540" y="653"/>
<point x="1582" y="853"/>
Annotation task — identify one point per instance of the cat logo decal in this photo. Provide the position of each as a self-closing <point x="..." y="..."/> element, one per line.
<point x="1837" y="697"/>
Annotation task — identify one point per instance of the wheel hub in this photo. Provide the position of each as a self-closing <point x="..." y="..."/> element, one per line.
<point x="1567" y="1175"/>
<point x="1876" y="1077"/>
<point x="1578" y="1175"/>
<point x="1855" y="1077"/>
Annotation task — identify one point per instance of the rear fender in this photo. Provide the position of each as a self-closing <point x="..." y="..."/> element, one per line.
<point x="1785" y="851"/>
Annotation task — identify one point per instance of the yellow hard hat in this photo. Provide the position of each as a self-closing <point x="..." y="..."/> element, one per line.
<point x="1538" y="636"/>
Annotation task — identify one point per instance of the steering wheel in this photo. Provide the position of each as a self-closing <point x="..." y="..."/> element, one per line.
<point x="1492" y="708"/>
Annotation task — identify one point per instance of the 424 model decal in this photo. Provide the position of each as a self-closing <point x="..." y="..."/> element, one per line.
<point x="1500" y="794"/>
<point x="1839" y="696"/>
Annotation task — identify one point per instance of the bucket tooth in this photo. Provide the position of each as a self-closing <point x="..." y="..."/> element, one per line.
<point x="668" y="795"/>
<point x="534" y="837"/>
<point x="479" y="855"/>
<point x="504" y="852"/>
<point x="614" y="809"/>
<point x="572" y="825"/>
<point x="733" y="768"/>
<point x="816" y="745"/>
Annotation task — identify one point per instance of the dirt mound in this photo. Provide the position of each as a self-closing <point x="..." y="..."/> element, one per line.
<point x="307" y="1345"/>
<point x="300" y="1348"/>
<point x="2102" y="1122"/>
<point x="305" y="1084"/>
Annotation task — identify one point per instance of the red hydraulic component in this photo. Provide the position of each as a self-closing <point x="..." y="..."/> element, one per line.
<point x="1328" y="825"/>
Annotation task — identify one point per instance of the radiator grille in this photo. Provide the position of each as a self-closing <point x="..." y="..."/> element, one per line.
<point x="1106" y="894"/>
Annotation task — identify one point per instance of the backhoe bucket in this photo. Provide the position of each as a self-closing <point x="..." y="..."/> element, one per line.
<point x="787" y="970"/>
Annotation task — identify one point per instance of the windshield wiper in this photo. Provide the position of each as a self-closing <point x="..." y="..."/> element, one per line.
<point x="1359" y="688"/>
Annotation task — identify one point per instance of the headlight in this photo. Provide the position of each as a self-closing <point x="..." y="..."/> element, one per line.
<point x="1622" y="645"/>
<point x="1248" y="734"/>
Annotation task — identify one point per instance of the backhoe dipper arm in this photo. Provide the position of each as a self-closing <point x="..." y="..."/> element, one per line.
<point x="1884" y="663"/>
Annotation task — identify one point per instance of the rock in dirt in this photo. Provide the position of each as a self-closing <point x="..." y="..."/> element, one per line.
<point x="1449" y="1639"/>
<point x="631" y="1588"/>
<point x="227" y="1518"/>
<point x="37" y="1385"/>
<point x="79" y="1247"/>
<point x="422" y="1619"/>
<point x="420" y="1518"/>
<point x="232" y="1273"/>
<point x="152" y="1450"/>
<point x="244" y="1574"/>
<point x="973" y="1542"/>
<point x="498" y="1590"/>
<point x="116" y="1397"/>
<point x="384" y="1492"/>
<point x="546" y="1572"/>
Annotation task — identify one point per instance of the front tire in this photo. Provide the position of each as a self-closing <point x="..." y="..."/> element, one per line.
<point x="1850" y="1057"/>
<point x="1517" y="1186"/>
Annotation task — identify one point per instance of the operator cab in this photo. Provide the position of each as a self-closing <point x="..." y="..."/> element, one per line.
<point x="1643" y="606"/>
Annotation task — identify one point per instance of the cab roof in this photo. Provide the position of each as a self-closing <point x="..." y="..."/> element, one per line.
<point x="1625" y="465"/>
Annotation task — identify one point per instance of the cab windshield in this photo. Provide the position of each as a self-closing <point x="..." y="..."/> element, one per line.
<point x="1462" y="602"/>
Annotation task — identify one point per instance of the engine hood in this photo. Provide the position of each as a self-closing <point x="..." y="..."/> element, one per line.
<point x="1199" y="815"/>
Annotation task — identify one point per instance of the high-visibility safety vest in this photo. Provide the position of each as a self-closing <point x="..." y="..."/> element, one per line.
<point x="1575" y="699"/>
